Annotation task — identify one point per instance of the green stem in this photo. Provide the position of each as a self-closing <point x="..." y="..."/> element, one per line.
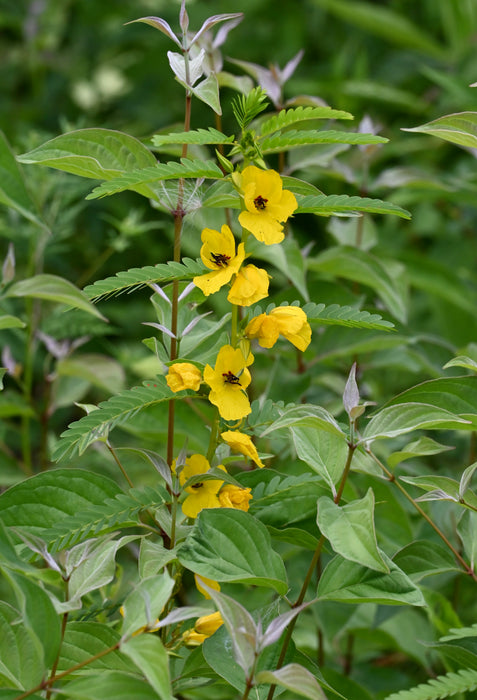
<point x="234" y="326"/>
<point x="214" y="436"/>
<point x="118" y="462"/>
<point x="64" y="622"/>
<point x="468" y="570"/>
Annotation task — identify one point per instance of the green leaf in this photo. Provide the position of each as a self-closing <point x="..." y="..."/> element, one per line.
<point x="110" y="685"/>
<point x="324" y="205"/>
<point x="418" y="448"/>
<point x="38" y="615"/>
<point x="47" y="499"/>
<point x="348" y="582"/>
<point x="463" y="681"/>
<point x="455" y="394"/>
<point x="462" y="361"/>
<point x="110" y="413"/>
<point x="208" y="91"/>
<point x="280" y="501"/>
<point x="335" y="315"/>
<point x="384" y="22"/>
<point x="459" y="128"/>
<point x="295" y="678"/>
<point x="18" y="642"/>
<point x="101" y="154"/>
<point x="149" y="655"/>
<point x="135" y="179"/>
<point x="241" y="627"/>
<point x="399" y="419"/>
<point x="324" y="452"/>
<point x="287" y="117"/>
<point x="8" y="321"/>
<point x="86" y="639"/>
<point x="350" y="530"/>
<point x="90" y="566"/>
<point x="231" y="545"/>
<point x="55" y="289"/>
<point x="119" y="512"/>
<point x="293" y="139"/>
<point x="306" y="416"/>
<point x="137" y="277"/>
<point x="360" y="266"/>
<point x="146" y="602"/>
<point x="13" y="191"/>
<point x="200" y="137"/>
<point x="421" y="558"/>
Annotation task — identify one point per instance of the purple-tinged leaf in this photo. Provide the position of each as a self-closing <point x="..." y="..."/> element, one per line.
<point x="212" y="21"/>
<point x="161" y="24"/>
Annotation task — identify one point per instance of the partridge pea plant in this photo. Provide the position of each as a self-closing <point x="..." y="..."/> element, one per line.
<point x="245" y="534"/>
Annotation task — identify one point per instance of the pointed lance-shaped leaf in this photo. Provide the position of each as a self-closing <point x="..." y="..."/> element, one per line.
<point x="161" y="24"/>
<point x="215" y="19"/>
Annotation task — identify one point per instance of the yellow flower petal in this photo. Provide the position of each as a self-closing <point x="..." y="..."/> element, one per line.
<point x="240" y="442"/>
<point x="183" y="375"/>
<point x="249" y="286"/>
<point x="208" y="624"/>
<point x="267" y="204"/>
<point x="293" y="325"/>
<point x="228" y="381"/>
<point x="208" y="582"/>
<point x="235" y="497"/>
<point x="265" y="328"/>
<point x="288" y="321"/>
<point x="201" y="494"/>
<point x="218" y="254"/>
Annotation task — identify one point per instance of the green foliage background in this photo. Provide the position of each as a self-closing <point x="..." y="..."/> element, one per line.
<point x="73" y="64"/>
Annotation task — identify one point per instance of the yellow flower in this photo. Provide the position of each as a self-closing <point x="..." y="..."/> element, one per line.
<point x="240" y="442"/>
<point x="235" y="497"/>
<point x="204" y="627"/>
<point x="289" y="321"/>
<point x="208" y="624"/>
<point x="199" y="580"/>
<point x="266" y="202"/>
<point x="218" y="254"/>
<point x="228" y="381"/>
<point x="250" y="285"/>
<point x="202" y="494"/>
<point x="183" y="375"/>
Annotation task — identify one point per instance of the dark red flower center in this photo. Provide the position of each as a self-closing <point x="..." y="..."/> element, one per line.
<point x="220" y="259"/>
<point x="260" y="203"/>
<point x="230" y="378"/>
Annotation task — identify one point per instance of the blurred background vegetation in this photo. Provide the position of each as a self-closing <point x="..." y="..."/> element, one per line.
<point x="395" y="64"/>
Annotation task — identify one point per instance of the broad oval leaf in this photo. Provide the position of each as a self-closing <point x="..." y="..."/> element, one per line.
<point x="149" y="655"/>
<point x="459" y="128"/>
<point x="348" y="582"/>
<point x="296" y="678"/>
<point x="146" y="602"/>
<point x="17" y="642"/>
<point x="306" y="416"/>
<point x="455" y="394"/>
<point x="96" y="153"/>
<point x="110" y="685"/>
<point x="85" y="639"/>
<point x="350" y="530"/>
<point x="54" y="289"/>
<point x="399" y="419"/>
<point x="231" y="545"/>
<point x="44" y="500"/>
